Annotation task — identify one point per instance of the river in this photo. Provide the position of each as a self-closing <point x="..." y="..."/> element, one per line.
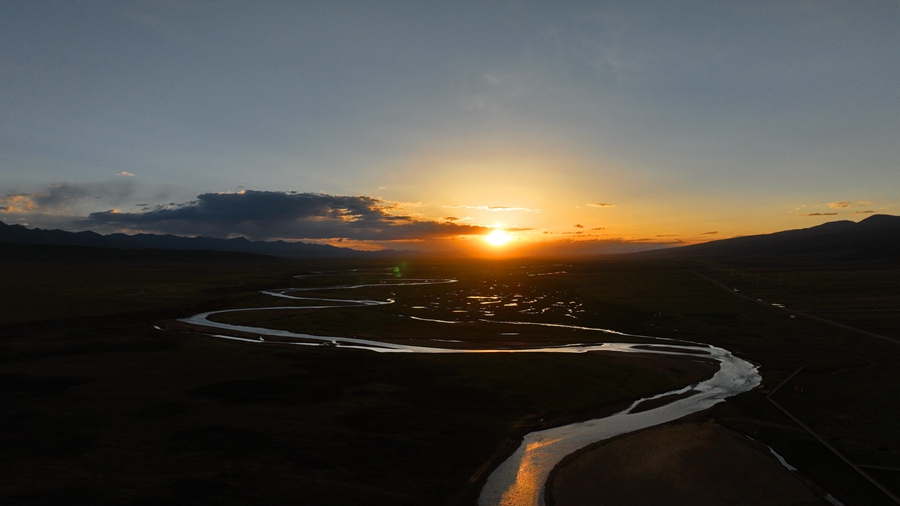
<point x="520" y="480"/>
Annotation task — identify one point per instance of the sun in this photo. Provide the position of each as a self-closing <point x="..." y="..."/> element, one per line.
<point x="497" y="238"/>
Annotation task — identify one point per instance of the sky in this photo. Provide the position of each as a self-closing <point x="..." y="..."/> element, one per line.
<point x="567" y="126"/>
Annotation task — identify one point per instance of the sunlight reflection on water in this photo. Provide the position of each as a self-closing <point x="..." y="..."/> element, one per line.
<point x="520" y="480"/>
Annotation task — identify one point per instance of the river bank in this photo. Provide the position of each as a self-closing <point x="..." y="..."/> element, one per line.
<point x="693" y="461"/>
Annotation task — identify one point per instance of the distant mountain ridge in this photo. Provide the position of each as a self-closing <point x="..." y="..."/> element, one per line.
<point x="18" y="234"/>
<point x="874" y="238"/>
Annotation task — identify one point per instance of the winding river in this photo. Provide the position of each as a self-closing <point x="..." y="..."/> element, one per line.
<point x="521" y="478"/>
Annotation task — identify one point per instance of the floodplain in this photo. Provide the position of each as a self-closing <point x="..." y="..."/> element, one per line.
<point x="110" y="399"/>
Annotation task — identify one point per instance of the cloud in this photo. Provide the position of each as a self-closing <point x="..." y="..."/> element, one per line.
<point x="819" y="214"/>
<point x="62" y="197"/>
<point x="710" y="233"/>
<point x="599" y="228"/>
<point x="494" y="208"/>
<point x="262" y="215"/>
<point x="648" y="240"/>
<point x="600" y="204"/>
<point x="863" y="212"/>
<point x="839" y="205"/>
<point x="124" y="173"/>
<point x="17" y="204"/>
<point x="578" y="225"/>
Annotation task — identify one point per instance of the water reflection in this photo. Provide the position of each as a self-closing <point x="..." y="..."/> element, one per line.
<point x="518" y="481"/>
<point x="529" y="476"/>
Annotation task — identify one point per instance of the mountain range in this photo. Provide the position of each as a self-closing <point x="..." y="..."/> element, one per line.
<point x="19" y="234"/>
<point x="876" y="238"/>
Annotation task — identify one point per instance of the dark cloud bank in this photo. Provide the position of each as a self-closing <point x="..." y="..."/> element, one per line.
<point x="264" y="215"/>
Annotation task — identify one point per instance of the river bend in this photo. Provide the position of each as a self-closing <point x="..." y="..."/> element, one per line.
<point x="520" y="480"/>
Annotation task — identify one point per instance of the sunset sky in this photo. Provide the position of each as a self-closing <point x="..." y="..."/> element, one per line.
<point x="598" y="126"/>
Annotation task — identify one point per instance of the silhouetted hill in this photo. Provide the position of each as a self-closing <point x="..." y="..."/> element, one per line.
<point x="876" y="238"/>
<point x="17" y="234"/>
<point x="12" y="252"/>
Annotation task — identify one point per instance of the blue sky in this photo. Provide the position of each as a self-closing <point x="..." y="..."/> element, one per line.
<point x="682" y="118"/>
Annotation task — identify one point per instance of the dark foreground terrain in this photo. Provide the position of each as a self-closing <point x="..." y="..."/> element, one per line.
<point x="107" y="399"/>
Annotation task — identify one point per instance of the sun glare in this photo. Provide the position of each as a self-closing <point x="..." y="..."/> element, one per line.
<point x="497" y="238"/>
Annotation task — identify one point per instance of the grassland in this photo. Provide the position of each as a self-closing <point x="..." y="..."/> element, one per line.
<point x="845" y="392"/>
<point x="101" y="407"/>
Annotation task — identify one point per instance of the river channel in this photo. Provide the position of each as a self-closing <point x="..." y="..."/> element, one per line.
<point x="520" y="480"/>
